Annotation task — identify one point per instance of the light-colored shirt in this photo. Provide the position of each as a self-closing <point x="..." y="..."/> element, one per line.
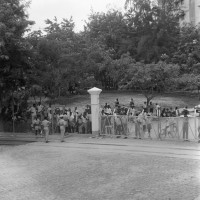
<point x="32" y="110"/>
<point x="49" y="110"/>
<point x="40" y="108"/>
<point x="45" y="123"/>
<point x="61" y="122"/>
<point x="84" y="119"/>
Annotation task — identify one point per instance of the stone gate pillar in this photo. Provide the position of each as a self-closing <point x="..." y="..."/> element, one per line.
<point x="94" y="92"/>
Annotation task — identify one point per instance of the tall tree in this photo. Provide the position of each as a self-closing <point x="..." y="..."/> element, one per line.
<point x="155" y="26"/>
<point x="109" y="28"/>
<point x="14" y="49"/>
<point x="59" y="58"/>
<point x="188" y="52"/>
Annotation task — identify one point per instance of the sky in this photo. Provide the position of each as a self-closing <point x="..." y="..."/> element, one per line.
<point x="40" y="10"/>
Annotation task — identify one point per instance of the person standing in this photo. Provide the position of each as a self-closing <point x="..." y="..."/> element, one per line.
<point x="138" y="126"/>
<point x="131" y="104"/>
<point x="131" y="111"/>
<point x="151" y="108"/>
<point x="61" y="124"/>
<point x="32" y="109"/>
<point x="149" y="126"/>
<point x="40" y="108"/>
<point x="79" y="124"/>
<point x="84" y="123"/>
<point x="49" y="112"/>
<point x="76" y="119"/>
<point x="177" y="113"/>
<point x="116" y="102"/>
<point x="37" y="125"/>
<point x="71" y="123"/>
<point x="45" y="126"/>
<point x="144" y="124"/>
<point x="158" y="110"/>
<point x="185" y="124"/>
<point x="145" y="107"/>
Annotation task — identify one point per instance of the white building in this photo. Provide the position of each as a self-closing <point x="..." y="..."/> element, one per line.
<point x="192" y="11"/>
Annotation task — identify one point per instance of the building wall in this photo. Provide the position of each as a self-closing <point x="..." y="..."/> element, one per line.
<point x="197" y="11"/>
<point x="192" y="11"/>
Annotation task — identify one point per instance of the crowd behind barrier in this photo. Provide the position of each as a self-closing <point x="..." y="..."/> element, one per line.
<point x="151" y="121"/>
<point x="151" y="127"/>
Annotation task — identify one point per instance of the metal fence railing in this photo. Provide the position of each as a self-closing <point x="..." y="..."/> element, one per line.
<point x="173" y="128"/>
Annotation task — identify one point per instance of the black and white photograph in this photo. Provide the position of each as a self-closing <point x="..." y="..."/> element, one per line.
<point x="99" y="99"/>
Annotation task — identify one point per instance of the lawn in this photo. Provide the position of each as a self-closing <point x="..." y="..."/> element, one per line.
<point x="166" y="100"/>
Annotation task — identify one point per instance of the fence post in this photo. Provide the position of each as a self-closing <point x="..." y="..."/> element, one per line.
<point x="178" y="131"/>
<point x="195" y="124"/>
<point x="94" y="92"/>
<point x="159" y="128"/>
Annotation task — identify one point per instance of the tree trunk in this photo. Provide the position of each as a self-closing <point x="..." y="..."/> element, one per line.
<point x="13" y="115"/>
<point x="58" y="91"/>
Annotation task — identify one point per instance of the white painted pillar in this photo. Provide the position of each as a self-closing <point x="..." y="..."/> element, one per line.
<point x="94" y="92"/>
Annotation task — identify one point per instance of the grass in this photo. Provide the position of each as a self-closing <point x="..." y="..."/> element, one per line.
<point x="167" y="100"/>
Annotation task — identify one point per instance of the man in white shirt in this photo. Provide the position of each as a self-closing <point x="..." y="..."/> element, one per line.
<point x="32" y="109"/>
<point x="61" y="124"/>
<point x="131" y="111"/>
<point x="45" y="126"/>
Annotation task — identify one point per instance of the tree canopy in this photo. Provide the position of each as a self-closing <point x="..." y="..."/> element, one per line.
<point x="14" y="49"/>
<point x="143" y="48"/>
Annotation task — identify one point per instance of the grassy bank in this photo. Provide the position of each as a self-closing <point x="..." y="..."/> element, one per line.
<point x="166" y="100"/>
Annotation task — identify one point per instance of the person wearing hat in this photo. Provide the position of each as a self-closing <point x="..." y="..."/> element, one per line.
<point x="61" y="124"/>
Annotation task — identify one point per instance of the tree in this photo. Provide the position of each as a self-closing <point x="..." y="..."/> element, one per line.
<point x="189" y="82"/>
<point x="151" y="79"/>
<point x="110" y="29"/>
<point x="154" y="27"/>
<point x="188" y="52"/>
<point x="14" y="49"/>
<point x="58" y="54"/>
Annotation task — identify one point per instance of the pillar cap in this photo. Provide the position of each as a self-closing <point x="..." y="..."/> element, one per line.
<point x="94" y="90"/>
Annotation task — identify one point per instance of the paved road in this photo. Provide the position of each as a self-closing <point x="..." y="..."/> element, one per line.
<point x="90" y="169"/>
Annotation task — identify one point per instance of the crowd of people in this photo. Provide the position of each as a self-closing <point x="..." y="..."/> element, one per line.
<point x="46" y="119"/>
<point x="143" y="116"/>
<point x="150" y="109"/>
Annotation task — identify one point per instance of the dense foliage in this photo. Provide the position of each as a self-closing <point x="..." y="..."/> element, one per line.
<point x="143" y="48"/>
<point x="15" y="53"/>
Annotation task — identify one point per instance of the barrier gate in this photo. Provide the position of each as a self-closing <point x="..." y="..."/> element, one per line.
<point x="172" y="128"/>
